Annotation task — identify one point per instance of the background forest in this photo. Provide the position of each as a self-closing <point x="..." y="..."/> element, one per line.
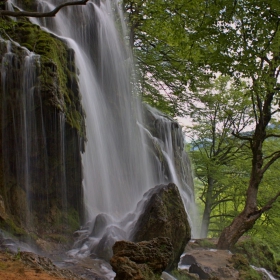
<point x="217" y="64"/>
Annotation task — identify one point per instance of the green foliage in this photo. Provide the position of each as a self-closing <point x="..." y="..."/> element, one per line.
<point x="73" y="220"/>
<point x="181" y="47"/>
<point x="66" y="222"/>
<point x="161" y="45"/>
<point x="158" y="101"/>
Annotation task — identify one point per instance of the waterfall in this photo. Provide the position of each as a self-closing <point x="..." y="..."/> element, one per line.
<point x="118" y="166"/>
<point x="175" y="166"/>
<point x="115" y="161"/>
<point x="20" y="121"/>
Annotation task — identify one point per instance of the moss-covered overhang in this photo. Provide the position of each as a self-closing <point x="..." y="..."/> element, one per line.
<point x="57" y="77"/>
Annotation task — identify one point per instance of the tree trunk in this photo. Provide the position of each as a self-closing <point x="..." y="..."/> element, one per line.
<point x="207" y="209"/>
<point x="241" y="224"/>
<point x="247" y="218"/>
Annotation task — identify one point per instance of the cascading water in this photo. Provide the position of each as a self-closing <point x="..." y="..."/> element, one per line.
<point x="115" y="160"/>
<point x="35" y="158"/>
<point x="168" y="136"/>
<point x="18" y="83"/>
<point x="118" y="166"/>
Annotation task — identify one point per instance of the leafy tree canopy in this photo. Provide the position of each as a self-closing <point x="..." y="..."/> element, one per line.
<point x="183" y="44"/>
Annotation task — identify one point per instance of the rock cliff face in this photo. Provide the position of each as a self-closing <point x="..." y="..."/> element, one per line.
<point x="42" y="131"/>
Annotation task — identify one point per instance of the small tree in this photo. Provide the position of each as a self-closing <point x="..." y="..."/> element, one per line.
<point x="215" y="113"/>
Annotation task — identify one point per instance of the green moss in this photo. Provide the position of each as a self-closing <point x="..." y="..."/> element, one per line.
<point x="73" y="220"/>
<point x="6" y="25"/>
<point x="258" y="253"/>
<point x="246" y="272"/>
<point x="55" y="75"/>
<point x="183" y="275"/>
<point x="205" y="243"/>
<point x="10" y="226"/>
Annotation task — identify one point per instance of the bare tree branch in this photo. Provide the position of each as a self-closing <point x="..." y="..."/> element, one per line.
<point x="39" y="15"/>
<point x="272" y="135"/>
<point x="241" y="137"/>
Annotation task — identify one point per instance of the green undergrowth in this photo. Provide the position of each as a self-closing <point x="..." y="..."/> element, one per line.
<point x="258" y="254"/>
<point x="246" y="272"/>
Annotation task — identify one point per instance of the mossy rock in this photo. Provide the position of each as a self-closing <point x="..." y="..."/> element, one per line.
<point x="246" y="272"/>
<point x="57" y="75"/>
<point x="258" y="253"/>
<point x="58" y="91"/>
<point x="10" y="226"/>
<point x="163" y="214"/>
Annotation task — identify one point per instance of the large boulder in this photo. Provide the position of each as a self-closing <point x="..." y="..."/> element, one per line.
<point x="163" y="215"/>
<point x="145" y="260"/>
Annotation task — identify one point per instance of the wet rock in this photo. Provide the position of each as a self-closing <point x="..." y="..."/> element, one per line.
<point x="164" y="215"/>
<point x="144" y="260"/>
<point x="187" y="260"/>
<point x="100" y="223"/>
<point x="104" y="247"/>
<point x="201" y="271"/>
